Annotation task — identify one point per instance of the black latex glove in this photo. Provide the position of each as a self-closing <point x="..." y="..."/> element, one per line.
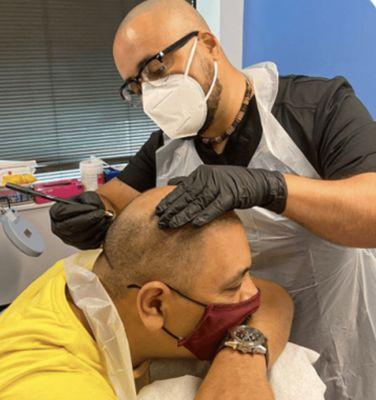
<point x="211" y="190"/>
<point x="83" y="225"/>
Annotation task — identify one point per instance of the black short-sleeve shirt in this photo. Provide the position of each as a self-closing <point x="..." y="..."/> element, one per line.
<point x="323" y="117"/>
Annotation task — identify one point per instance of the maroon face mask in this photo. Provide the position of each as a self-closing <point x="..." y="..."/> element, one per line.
<point x="208" y="334"/>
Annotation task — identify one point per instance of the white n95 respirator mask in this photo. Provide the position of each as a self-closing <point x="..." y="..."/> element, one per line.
<point x="178" y="105"/>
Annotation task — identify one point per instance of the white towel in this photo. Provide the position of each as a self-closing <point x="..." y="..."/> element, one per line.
<point x="292" y="378"/>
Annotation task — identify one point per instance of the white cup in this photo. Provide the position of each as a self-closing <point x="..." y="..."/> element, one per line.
<point x="92" y="173"/>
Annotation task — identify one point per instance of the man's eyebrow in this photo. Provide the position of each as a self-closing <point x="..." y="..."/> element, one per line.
<point x="143" y="62"/>
<point x="234" y="279"/>
<point x="139" y="66"/>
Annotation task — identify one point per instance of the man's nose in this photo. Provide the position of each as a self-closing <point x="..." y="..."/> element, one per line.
<point x="248" y="290"/>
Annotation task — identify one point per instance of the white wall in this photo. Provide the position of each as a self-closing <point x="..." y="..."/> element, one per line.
<point x="232" y="12"/>
<point x="211" y="11"/>
<point x="18" y="270"/>
<point x="225" y="18"/>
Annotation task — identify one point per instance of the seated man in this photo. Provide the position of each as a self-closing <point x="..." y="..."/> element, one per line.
<point x="160" y="283"/>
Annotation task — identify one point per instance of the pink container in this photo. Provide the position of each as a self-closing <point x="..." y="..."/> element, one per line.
<point x="64" y="188"/>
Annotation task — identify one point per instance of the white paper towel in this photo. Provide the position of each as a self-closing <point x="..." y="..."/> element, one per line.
<point x="292" y="378"/>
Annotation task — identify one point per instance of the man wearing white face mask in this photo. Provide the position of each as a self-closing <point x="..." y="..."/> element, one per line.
<point x="177" y="103"/>
<point x="296" y="156"/>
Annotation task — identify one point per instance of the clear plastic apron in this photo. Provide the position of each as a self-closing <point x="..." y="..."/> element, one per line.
<point x="91" y="297"/>
<point x="335" y="309"/>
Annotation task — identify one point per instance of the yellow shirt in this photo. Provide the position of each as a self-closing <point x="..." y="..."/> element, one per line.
<point x="45" y="352"/>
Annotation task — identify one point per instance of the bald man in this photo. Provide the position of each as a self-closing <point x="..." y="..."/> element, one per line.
<point x="294" y="155"/>
<point x="48" y="346"/>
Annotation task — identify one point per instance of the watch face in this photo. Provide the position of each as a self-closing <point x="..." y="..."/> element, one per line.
<point x="246" y="334"/>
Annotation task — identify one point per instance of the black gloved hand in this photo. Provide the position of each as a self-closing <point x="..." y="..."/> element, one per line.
<point x="83" y="225"/>
<point x="211" y="190"/>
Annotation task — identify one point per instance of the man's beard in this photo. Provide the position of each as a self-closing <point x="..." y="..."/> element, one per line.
<point x="215" y="97"/>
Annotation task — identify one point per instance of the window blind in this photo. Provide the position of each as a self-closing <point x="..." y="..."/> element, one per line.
<point x="59" y="99"/>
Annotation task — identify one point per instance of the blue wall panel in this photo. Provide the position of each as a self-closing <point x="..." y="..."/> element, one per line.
<point x="315" y="37"/>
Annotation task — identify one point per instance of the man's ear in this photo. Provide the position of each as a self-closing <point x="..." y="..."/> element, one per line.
<point x="152" y="304"/>
<point x="211" y="43"/>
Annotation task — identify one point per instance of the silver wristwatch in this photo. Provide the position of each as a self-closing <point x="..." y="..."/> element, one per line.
<point x="249" y="340"/>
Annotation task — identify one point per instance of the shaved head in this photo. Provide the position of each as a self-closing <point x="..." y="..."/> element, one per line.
<point x="138" y="251"/>
<point x="150" y="27"/>
<point x="173" y="10"/>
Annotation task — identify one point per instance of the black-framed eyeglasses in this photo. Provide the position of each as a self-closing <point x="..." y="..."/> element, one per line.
<point x="154" y="68"/>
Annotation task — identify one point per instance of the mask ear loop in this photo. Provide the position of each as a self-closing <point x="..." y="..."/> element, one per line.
<point x="214" y="80"/>
<point x="190" y="59"/>
<point x="177" y="338"/>
<point x="189" y="64"/>
<point x="135" y="286"/>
